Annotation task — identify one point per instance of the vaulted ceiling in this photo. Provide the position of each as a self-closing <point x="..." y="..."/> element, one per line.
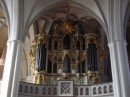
<point x="68" y="10"/>
<point x="60" y="11"/>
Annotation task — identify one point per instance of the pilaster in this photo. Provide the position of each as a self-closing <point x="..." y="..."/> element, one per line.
<point x="120" y="68"/>
<point x="10" y="80"/>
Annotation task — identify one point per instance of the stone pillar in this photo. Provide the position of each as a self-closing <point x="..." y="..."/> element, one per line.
<point x="120" y="68"/>
<point x="10" y="81"/>
<point x="16" y="36"/>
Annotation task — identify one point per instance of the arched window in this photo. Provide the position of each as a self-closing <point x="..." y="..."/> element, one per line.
<point x="81" y="91"/>
<point x="87" y="91"/>
<point x="44" y="91"/>
<point x="99" y="90"/>
<point x="55" y="46"/>
<point x="20" y="88"/>
<point x="31" y="89"/>
<point x="49" y="67"/>
<point x="94" y="91"/>
<point x="54" y="68"/>
<point x="66" y="42"/>
<point x="66" y="64"/>
<point x="36" y="90"/>
<point x="78" y="68"/>
<point x="26" y="89"/>
<point x="83" y="67"/>
<point x="49" y="91"/>
<point x="78" y="45"/>
<point x="76" y="91"/>
<point x="110" y="89"/>
<point x="54" y="91"/>
<point x="105" y="89"/>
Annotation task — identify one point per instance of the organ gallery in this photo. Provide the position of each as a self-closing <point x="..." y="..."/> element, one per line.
<point x="67" y="53"/>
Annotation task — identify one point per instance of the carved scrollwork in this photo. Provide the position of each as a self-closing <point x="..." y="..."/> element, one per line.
<point x="39" y="77"/>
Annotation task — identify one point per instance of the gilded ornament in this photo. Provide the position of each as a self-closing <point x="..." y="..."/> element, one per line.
<point x="67" y="27"/>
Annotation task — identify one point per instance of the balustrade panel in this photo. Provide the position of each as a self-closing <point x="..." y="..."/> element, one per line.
<point x="65" y="88"/>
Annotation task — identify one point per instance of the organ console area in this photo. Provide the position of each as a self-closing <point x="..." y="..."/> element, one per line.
<point x="67" y="53"/>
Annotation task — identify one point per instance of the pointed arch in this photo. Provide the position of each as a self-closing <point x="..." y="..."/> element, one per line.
<point x="49" y="66"/>
<point x="66" y="42"/>
<point x="55" y="46"/>
<point x="78" y="45"/>
<point x="76" y="5"/>
<point x="66" y="64"/>
<point x="126" y="17"/>
<point x="54" y="68"/>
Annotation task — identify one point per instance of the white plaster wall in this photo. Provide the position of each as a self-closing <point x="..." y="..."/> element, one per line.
<point x="25" y="69"/>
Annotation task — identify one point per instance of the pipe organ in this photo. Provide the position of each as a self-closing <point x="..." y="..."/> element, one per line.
<point x="67" y="53"/>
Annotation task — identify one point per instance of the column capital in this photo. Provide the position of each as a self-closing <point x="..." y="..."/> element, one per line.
<point x="114" y="42"/>
<point x="119" y="67"/>
<point x="12" y="67"/>
<point x="15" y="41"/>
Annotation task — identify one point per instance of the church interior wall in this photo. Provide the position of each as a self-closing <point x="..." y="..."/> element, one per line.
<point x="38" y="15"/>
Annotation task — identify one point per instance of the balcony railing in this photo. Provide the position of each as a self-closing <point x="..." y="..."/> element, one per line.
<point x="65" y="88"/>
